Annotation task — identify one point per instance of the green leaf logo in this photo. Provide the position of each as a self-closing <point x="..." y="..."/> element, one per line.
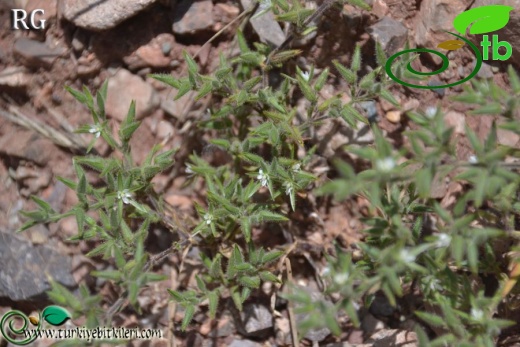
<point x="55" y="315"/>
<point x="485" y="19"/>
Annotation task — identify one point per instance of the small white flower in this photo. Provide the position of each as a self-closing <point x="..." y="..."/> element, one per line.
<point x="477" y="314"/>
<point x="431" y="111"/>
<point x="305" y="75"/>
<point x="406" y="256"/>
<point x="433" y="283"/>
<point x="386" y="164"/>
<point x="208" y="218"/>
<point x="325" y="271"/>
<point x="443" y="240"/>
<point x="288" y="188"/>
<point x="296" y="167"/>
<point x="472" y="159"/>
<point x="124" y="195"/>
<point x="341" y="278"/>
<point x="262" y="177"/>
<point x="95" y="129"/>
<point x="188" y="169"/>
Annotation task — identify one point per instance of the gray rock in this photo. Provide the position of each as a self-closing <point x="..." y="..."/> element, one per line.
<point x="435" y="82"/>
<point x="266" y="26"/>
<point x="27" y="145"/>
<point x="192" y="17"/>
<point x="34" y="53"/>
<point x="125" y="87"/>
<point x="391" y="33"/>
<point x="15" y="77"/>
<point x="244" y="343"/>
<point x="316" y="334"/>
<point x="370" y="108"/>
<point x="24" y="270"/>
<point x="257" y="320"/>
<point x="434" y="17"/>
<point x="485" y="71"/>
<point x="79" y="40"/>
<point x="101" y="15"/>
<point x="371" y="324"/>
<point x="393" y="337"/>
<point x="456" y="120"/>
<point x="381" y="307"/>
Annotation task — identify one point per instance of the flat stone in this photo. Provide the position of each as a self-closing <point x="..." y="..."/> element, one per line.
<point x="101" y="15"/>
<point x="266" y="26"/>
<point x="456" y="120"/>
<point x="244" y="343"/>
<point x="125" y="87"/>
<point x="24" y="270"/>
<point x="193" y="17"/>
<point x="434" y="17"/>
<point x="79" y="40"/>
<point x="223" y="327"/>
<point x="507" y="137"/>
<point x="411" y="105"/>
<point x="27" y="145"/>
<point x="485" y="71"/>
<point x="380" y="8"/>
<point x="391" y="33"/>
<point x="316" y="334"/>
<point x="393" y="337"/>
<point x="153" y="56"/>
<point x="257" y="319"/>
<point x="393" y="116"/>
<point x="225" y="13"/>
<point x="34" y="53"/>
<point x="15" y="77"/>
<point x="371" y="324"/>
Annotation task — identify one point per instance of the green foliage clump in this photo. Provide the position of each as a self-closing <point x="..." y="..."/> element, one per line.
<point x="412" y="244"/>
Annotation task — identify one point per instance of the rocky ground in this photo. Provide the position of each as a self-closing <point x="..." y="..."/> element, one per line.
<point x="124" y="41"/>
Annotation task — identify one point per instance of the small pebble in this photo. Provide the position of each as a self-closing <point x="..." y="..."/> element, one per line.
<point x="394" y="116"/>
<point x="166" y="48"/>
<point x="439" y="91"/>
<point x="370" y="108"/>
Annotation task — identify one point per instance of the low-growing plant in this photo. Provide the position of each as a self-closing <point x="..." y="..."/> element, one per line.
<point x="412" y="244"/>
<point x="450" y="258"/>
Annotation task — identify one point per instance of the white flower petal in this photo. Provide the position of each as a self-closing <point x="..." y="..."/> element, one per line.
<point x="477" y="314"/>
<point x="443" y="240"/>
<point x="431" y="111"/>
<point x="386" y="164"/>
<point x="406" y="256"/>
